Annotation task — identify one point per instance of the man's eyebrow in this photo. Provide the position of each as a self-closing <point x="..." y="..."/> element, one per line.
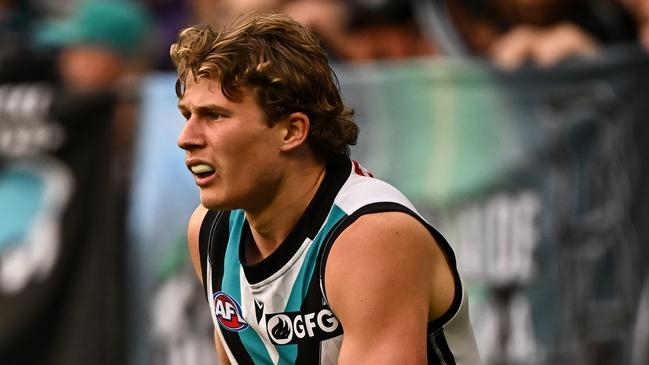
<point x="206" y="109"/>
<point x="213" y="108"/>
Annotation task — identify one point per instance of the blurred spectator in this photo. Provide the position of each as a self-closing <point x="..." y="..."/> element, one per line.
<point x="98" y="44"/>
<point x="359" y="30"/>
<point x="221" y="12"/>
<point x="640" y="11"/>
<point x="100" y="48"/>
<point x="169" y="16"/>
<point x="15" y="17"/>
<point x="18" y="61"/>
<point x="351" y="30"/>
<point x="542" y="32"/>
<point x="173" y="15"/>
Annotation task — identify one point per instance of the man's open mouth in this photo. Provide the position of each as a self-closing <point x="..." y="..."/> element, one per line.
<point x="202" y="170"/>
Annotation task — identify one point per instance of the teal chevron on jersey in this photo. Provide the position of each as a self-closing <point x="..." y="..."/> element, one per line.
<point x="298" y="293"/>
<point x="301" y="286"/>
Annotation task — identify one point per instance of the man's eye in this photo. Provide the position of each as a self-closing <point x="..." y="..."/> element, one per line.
<point x="214" y="116"/>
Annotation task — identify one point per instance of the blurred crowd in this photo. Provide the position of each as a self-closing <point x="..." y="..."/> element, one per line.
<point x="99" y="42"/>
<point x="95" y="45"/>
<point x="90" y="45"/>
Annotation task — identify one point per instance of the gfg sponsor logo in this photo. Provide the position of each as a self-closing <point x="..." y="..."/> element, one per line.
<point x="292" y="327"/>
<point x="228" y="312"/>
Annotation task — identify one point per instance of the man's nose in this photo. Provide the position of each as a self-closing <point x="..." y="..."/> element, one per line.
<point x="190" y="137"/>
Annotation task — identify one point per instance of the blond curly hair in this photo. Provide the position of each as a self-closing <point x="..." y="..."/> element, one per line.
<point x="284" y="66"/>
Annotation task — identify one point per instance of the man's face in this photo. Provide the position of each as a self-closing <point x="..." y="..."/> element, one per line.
<point x="231" y="150"/>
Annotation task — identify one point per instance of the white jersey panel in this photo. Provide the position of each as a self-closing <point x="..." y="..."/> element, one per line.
<point x="330" y="349"/>
<point x="360" y="191"/>
<point x="460" y="337"/>
<point x="273" y="294"/>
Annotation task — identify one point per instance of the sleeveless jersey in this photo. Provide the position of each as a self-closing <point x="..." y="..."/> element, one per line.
<point x="276" y="311"/>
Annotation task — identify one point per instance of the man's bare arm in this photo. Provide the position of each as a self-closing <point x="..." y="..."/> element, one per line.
<point x="386" y="278"/>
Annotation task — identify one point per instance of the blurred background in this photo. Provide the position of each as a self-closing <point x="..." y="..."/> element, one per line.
<point x="516" y="127"/>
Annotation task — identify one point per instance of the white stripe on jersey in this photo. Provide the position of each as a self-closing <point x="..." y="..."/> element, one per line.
<point x="330" y="349"/>
<point x="359" y="191"/>
<point x="459" y="335"/>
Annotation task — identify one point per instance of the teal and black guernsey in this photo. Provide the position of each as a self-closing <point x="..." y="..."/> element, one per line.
<point x="276" y="311"/>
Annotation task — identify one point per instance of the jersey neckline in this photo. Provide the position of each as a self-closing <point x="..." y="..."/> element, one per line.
<point x="336" y="173"/>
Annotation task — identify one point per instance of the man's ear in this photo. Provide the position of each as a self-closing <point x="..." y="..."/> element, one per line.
<point x="296" y="130"/>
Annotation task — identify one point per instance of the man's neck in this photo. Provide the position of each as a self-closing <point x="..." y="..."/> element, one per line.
<point x="272" y="225"/>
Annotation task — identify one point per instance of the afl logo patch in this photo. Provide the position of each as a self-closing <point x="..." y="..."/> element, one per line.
<point x="228" y="312"/>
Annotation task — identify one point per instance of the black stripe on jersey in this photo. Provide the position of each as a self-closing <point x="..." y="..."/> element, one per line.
<point x="381" y="207"/>
<point x="214" y="229"/>
<point x="236" y="346"/>
<point x="337" y="172"/>
<point x="213" y="239"/>
<point x="308" y="352"/>
<point x="439" y="341"/>
<point x="433" y="359"/>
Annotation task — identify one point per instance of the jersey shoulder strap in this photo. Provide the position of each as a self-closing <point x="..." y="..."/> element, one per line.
<point x="212" y="241"/>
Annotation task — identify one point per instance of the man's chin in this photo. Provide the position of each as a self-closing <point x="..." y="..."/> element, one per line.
<point x="214" y="204"/>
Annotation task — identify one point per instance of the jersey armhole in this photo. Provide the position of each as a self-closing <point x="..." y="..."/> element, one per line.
<point x="433" y="326"/>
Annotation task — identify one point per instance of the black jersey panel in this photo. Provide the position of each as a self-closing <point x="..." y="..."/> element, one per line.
<point x="309" y="351"/>
<point x="203" y="243"/>
<point x="213" y="238"/>
<point x="235" y="345"/>
<point x="433" y="358"/>
<point x="443" y="351"/>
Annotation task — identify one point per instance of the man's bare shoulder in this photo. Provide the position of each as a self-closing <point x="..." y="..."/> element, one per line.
<point x="381" y="262"/>
<point x="384" y="252"/>
<point x="197" y="217"/>
<point x="388" y="240"/>
<point x="193" y="233"/>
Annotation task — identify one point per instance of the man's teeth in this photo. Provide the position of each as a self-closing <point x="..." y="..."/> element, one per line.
<point x="201" y="168"/>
